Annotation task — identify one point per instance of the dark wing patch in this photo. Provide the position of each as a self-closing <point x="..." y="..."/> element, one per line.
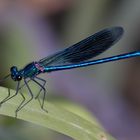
<point x="85" y="49"/>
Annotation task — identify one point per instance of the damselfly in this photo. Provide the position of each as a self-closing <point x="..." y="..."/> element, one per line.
<point x="72" y="57"/>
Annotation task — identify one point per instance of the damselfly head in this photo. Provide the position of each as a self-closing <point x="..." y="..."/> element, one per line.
<point x="15" y="74"/>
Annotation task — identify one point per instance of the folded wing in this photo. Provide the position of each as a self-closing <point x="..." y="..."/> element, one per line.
<point x="85" y="49"/>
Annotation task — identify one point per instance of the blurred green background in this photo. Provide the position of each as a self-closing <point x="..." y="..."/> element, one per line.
<point x="33" y="29"/>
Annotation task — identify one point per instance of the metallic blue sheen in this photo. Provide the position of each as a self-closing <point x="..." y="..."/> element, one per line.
<point x="75" y="56"/>
<point x="94" y="62"/>
<point x="29" y="71"/>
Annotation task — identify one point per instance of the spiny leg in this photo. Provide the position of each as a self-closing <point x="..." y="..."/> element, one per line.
<point x="41" y="87"/>
<point x="20" y="103"/>
<point x="24" y="84"/>
<point x="44" y="94"/>
<point x="21" y="106"/>
<point x="37" y="97"/>
<point x="18" y="89"/>
<point x="8" y="98"/>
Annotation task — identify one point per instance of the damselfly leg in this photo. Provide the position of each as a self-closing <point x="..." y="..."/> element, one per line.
<point x="23" y="85"/>
<point x="18" y="108"/>
<point x="44" y="92"/>
<point x="41" y="87"/>
<point x="8" y="96"/>
<point x="22" y="105"/>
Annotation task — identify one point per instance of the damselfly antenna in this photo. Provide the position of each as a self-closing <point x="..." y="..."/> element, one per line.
<point x="6" y="77"/>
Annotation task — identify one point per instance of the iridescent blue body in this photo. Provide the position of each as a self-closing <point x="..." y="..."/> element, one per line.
<point x="76" y="56"/>
<point x="93" y="62"/>
<point x="30" y="70"/>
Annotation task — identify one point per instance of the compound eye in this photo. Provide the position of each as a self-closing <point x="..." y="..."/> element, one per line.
<point x="13" y="68"/>
<point x="19" y="78"/>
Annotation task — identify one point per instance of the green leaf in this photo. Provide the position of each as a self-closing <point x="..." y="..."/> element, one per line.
<point x="57" y="118"/>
